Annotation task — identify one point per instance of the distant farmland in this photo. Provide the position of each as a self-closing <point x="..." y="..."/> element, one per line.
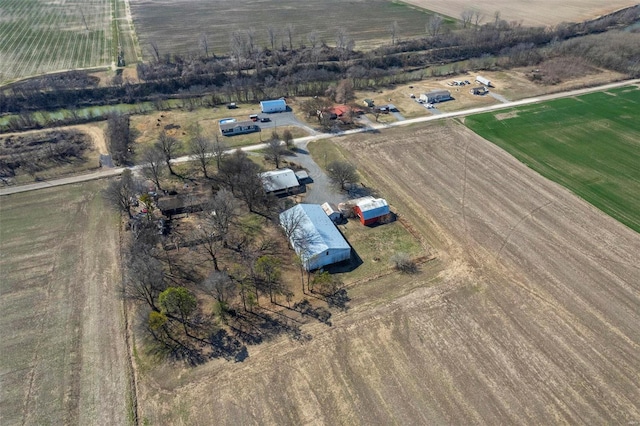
<point x="177" y="27"/>
<point x="38" y="37"/>
<point x="589" y="144"/>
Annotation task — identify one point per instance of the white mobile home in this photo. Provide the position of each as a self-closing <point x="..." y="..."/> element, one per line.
<point x="485" y="81"/>
<point x="280" y="182"/>
<point x="436" y="96"/>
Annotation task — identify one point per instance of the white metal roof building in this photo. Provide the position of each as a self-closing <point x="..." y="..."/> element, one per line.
<point x="279" y="181"/>
<point x="315" y="238"/>
<point x="278" y="105"/>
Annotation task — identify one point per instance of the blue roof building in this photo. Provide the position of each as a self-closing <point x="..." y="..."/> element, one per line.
<point x="278" y="105"/>
<point x="314" y="237"/>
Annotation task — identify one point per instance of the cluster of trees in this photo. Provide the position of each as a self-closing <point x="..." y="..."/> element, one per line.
<point x="33" y="153"/>
<point x="119" y="139"/>
<point x="245" y="268"/>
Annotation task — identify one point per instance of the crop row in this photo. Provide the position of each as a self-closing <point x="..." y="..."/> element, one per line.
<point x="37" y="37"/>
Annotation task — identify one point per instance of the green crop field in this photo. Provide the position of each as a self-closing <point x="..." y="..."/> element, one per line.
<point x="177" y="27"/>
<point x="39" y="36"/>
<point x="589" y="144"/>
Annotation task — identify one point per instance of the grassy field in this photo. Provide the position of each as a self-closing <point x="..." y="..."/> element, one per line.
<point x="38" y="37"/>
<point x="177" y="26"/>
<point x="589" y="144"/>
<point x="61" y="332"/>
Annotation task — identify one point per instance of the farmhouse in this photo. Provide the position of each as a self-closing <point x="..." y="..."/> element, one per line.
<point x="278" y="105"/>
<point x="230" y="128"/>
<point x="370" y="210"/>
<point x="436" y="96"/>
<point x="280" y="182"/>
<point x="314" y="237"/>
<point x="484" y="81"/>
<point x="341" y="112"/>
<point x="180" y="204"/>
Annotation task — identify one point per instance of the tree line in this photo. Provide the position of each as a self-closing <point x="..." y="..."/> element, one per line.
<point x="250" y="72"/>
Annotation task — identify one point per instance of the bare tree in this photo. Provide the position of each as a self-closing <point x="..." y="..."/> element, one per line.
<point x="155" y="51"/>
<point x="312" y="38"/>
<point x="209" y="239"/>
<point x="292" y="223"/>
<point x="477" y="18"/>
<point x="393" y="31"/>
<point x="219" y="285"/>
<point x="466" y="16"/>
<point x="204" y="43"/>
<point x="219" y="150"/>
<point x="496" y="18"/>
<point x="222" y="212"/>
<point x="251" y="41"/>
<point x="434" y="25"/>
<point x="168" y="145"/>
<point x="201" y="149"/>
<point x="238" y="46"/>
<point x="289" y="30"/>
<point x="144" y="280"/>
<point x="342" y="173"/>
<point x="273" y="34"/>
<point x="287" y="137"/>
<point x="344" y="91"/>
<point x="121" y="193"/>
<point x="275" y="151"/>
<point x="154" y="165"/>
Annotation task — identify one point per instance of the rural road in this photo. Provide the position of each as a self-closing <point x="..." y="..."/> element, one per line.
<point x="303" y="141"/>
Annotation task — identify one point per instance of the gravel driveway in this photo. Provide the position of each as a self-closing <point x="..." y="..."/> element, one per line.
<point x="321" y="190"/>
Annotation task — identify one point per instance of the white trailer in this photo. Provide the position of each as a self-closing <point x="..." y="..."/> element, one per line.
<point x="483" y="81"/>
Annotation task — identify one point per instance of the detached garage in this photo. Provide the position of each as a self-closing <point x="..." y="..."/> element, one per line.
<point x="278" y="105"/>
<point x="370" y="210"/>
<point x="314" y="237"/>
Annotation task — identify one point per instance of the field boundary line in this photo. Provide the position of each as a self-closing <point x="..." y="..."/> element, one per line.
<point x="128" y="336"/>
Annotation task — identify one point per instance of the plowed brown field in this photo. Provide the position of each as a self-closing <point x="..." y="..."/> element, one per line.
<point x="535" y="13"/>
<point x="530" y="315"/>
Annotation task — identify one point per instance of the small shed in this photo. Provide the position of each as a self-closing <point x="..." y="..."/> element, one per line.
<point x="370" y="210"/>
<point x="230" y="128"/>
<point x="436" y="96"/>
<point x="369" y="103"/>
<point x="280" y="182"/>
<point x="314" y="237"/>
<point x="332" y="212"/>
<point x="303" y="177"/>
<point x="277" y="105"/>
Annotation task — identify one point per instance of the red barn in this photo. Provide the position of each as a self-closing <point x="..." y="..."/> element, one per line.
<point x="370" y="210"/>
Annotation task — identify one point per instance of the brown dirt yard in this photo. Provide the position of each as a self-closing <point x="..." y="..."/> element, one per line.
<point x="531" y="13"/>
<point x="529" y="316"/>
<point x="64" y="359"/>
